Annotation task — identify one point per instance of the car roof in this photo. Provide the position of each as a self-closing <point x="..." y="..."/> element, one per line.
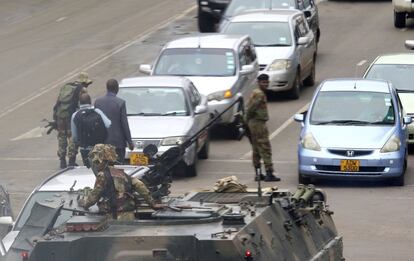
<point x="355" y="85"/>
<point x="155" y="81"/>
<point x="396" y="58"/>
<point x="84" y="177"/>
<point x="274" y="15"/>
<point x="222" y="41"/>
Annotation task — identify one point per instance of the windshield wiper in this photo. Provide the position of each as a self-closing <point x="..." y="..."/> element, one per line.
<point x="345" y="122"/>
<point x="173" y="113"/>
<point x="271" y="45"/>
<point x="145" y="114"/>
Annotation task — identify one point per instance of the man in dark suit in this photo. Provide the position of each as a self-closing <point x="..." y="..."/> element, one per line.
<point x="114" y="108"/>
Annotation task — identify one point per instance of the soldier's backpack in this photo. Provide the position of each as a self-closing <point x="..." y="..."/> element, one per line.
<point x="67" y="101"/>
<point x="90" y="127"/>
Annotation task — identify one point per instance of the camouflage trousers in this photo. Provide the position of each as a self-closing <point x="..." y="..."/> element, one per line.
<point x="260" y="144"/>
<point x="65" y="141"/>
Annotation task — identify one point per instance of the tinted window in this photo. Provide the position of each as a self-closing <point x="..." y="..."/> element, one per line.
<point x="401" y="76"/>
<point x="151" y="101"/>
<point x="363" y="107"/>
<point x="284" y="4"/>
<point x="195" y="96"/>
<point x="263" y="33"/>
<point x="196" y="62"/>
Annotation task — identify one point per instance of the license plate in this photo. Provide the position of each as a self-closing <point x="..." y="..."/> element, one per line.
<point x="350" y="165"/>
<point x="138" y="159"/>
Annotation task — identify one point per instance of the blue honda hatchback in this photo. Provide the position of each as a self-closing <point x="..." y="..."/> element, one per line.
<point x="354" y="129"/>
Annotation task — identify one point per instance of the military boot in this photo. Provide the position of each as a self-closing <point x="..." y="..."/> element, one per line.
<point x="262" y="177"/>
<point x="72" y="162"/>
<point x="270" y="176"/>
<point x="63" y="164"/>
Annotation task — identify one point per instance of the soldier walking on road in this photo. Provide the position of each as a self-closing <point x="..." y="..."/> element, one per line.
<point x="114" y="189"/>
<point x="256" y="117"/>
<point x="66" y="105"/>
<point x="114" y="108"/>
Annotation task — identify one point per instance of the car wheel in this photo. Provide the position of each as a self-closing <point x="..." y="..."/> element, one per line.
<point x="294" y="92"/>
<point x="399" y="181"/>
<point x="304" y="180"/>
<point x="399" y="19"/>
<point x="310" y="80"/>
<point x="203" y="154"/>
<point x="206" y="23"/>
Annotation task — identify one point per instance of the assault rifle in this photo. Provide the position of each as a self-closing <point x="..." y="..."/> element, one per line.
<point x="158" y="178"/>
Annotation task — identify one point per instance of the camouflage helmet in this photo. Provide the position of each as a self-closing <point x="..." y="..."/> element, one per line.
<point x="84" y="77"/>
<point x="103" y="153"/>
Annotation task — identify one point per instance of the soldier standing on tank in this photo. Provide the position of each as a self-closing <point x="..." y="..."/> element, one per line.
<point x="256" y="117"/>
<point x="114" y="189"/>
<point x="66" y="104"/>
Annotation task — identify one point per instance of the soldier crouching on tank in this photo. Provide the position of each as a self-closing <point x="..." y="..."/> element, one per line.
<point x="114" y="189"/>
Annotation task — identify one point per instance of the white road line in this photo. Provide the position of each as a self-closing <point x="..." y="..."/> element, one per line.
<point x="93" y="63"/>
<point x="61" y="19"/>
<point x="277" y="131"/>
<point x="362" y="62"/>
<point x="34" y="133"/>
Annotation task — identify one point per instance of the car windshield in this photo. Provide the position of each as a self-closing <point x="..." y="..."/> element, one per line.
<point x="196" y="62"/>
<point x="400" y="75"/>
<point x="154" y="101"/>
<point x="238" y="6"/>
<point x="263" y="33"/>
<point x="50" y="198"/>
<point x="357" y="108"/>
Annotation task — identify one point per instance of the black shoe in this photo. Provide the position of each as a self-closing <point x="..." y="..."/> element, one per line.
<point x="262" y="177"/>
<point x="271" y="177"/>
<point x="63" y="164"/>
<point x="72" y="162"/>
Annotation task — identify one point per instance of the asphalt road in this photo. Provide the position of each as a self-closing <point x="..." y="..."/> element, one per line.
<point x="45" y="43"/>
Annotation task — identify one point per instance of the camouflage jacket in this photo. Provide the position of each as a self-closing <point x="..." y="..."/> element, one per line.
<point x="124" y="187"/>
<point x="257" y="106"/>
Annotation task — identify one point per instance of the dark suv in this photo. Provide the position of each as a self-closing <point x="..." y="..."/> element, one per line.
<point x="209" y="14"/>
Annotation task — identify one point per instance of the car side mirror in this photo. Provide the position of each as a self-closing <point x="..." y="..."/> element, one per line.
<point x="409" y="44"/>
<point x="299" y="117"/>
<point x="246" y="69"/>
<point x="407" y="120"/>
<point x="200" y="109"/>
<point x="145" y="68"/>
<point x="303" y="40"/>
<point x="307" y="13"/>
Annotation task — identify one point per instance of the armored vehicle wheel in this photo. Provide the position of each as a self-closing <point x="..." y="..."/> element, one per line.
<point x="203" y="154"/>
<point x="303" y="180"/>
<point x="206" y="23"/>
<point x="399" y="19"/>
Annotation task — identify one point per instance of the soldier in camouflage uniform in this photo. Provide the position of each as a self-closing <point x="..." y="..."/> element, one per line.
<point x="62" y="113"/>
<point x="120" y="206"/>
<point x="256" y="117"/>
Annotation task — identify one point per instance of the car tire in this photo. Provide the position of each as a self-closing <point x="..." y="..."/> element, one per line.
<point x="310" y="80"/>
<point x="400" y="180"/>
<point x="399" y="19"/>
<point x="294" y="92"/>
<point x="303" y="180"/>
<point x="203" y="154"/>
<point x="191" y="170"/>
<point x="206" y="22"/>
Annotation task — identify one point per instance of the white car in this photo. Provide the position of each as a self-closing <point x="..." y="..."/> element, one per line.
<point x="165" y="111"/>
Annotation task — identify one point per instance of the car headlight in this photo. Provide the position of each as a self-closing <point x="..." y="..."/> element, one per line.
<point x="309" y="142"/>
<point x="221" y="95"/>
<point x="173" y="141"/>
<point x="278" y="65"/>
<point x="393" y="144"/>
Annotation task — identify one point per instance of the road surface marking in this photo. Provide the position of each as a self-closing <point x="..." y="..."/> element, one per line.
<point x="61" y="19"/>
<point x="362" y="62"/>
<point x="248" y="155"/>
<point x="34" y="133"/>
<point x="98" y="60"/>
<point x="26" y="159"/>
<point x="249" y="161"/>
